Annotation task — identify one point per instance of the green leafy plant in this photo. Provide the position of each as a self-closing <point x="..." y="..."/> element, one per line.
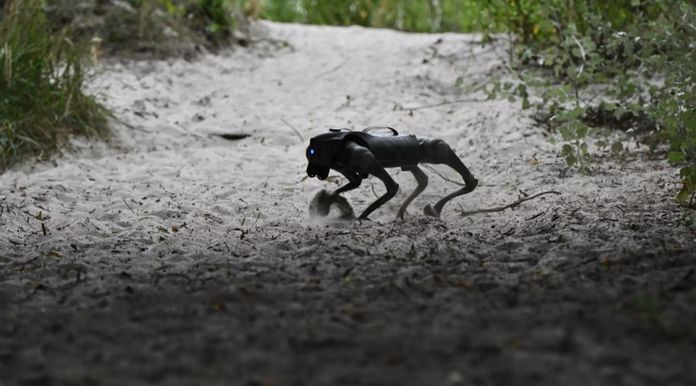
<point x="214" y="16"/>
<point x="42" y="76"/>
<point x="573" y="132"/>
<point x="625" y="65"/>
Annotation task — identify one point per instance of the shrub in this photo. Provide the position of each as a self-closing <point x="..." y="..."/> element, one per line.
<point x="214" y="17"/>
<point x="638" y="57"/>
<point x="146" y="29"/>
<point x="42" y="75"/>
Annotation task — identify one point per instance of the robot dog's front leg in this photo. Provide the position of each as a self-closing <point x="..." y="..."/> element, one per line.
<point x="354" y="181"/>
<point x="360" y="160"/>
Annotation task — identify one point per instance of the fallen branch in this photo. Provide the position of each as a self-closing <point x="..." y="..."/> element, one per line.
<point x="509" y="206"/>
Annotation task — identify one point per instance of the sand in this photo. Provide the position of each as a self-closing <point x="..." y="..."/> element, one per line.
<point x="174" y="256"/>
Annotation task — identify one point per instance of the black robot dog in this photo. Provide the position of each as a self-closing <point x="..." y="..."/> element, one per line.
<point x="358" y="154"/>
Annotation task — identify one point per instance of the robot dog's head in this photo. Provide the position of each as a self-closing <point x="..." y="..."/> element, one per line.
<point x="314" y="170"/>
<point x="322" y="151"/>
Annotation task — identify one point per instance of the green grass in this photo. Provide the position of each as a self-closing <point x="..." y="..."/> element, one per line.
<point x="527" y="18"/>
<point x="42" y="78"/>
<point x="406" y="15"/>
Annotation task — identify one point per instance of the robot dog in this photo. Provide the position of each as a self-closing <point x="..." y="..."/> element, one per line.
<point x="359" y="154"/>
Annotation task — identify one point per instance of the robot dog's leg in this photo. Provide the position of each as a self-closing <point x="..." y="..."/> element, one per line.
<point x="422" y="180"/>
<point x="354" y="181"/>
<point x="392" y="187"/>
<point x="436" y="151"/>
<point x="361" y="160"/>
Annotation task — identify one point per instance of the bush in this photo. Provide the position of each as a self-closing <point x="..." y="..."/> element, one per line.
<point x="145" y="29"/>
<point x="214" y="17"/>
<point x="638" y="57"/>
<point x="42" y="76"/>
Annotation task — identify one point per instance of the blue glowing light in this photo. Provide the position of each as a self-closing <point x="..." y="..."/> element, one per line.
<point x="311" y="151"/>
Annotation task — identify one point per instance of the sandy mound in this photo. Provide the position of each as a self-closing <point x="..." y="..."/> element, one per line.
<point x="178" y="257"/>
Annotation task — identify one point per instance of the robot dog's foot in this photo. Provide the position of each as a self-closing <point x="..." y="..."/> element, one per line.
<point x="400" y="215"/>
<point x="430" y="211"/>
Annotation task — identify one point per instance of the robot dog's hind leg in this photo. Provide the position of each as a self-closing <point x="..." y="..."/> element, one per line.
<point x="422" y="180"/>
<point x="438" y="152"/>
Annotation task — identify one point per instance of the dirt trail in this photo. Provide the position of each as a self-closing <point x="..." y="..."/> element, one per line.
<point x="177" y="257"/>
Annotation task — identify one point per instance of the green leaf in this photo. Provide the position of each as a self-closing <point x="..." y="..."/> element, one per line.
<point x="574" y="114"/>
<point x="522" y="90"/>
<point x="571" y="160"/>
<point x="525" y="103"/>
<point x="675" y="157"/>
<point x="566" y="133"/>
<point x="567" y="150"/>
<point x="689" y="119"/>
<point x="617" y="147"/>
<point x="608" y="106"/>
<point x="689" y="174"/>
<point x="683" y="195"/>
<point x="581" y="129"/>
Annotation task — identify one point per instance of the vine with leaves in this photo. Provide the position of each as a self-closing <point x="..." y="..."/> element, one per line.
<point x="588" y="66"/>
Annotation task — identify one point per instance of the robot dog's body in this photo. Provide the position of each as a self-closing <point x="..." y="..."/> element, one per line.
<point x="358" y="154"/>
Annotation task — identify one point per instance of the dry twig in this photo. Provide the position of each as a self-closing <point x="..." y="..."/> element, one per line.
<point x="293" y="129"/>
<point x="334" y="69"/>
<point x="129" y="207"/>
<point x="509" y="206"/>
<point x="445" y="103"/>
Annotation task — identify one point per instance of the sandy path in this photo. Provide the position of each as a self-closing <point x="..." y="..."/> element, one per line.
<point x="176" y="257"/>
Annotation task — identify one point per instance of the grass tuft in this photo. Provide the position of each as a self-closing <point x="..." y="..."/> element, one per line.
<point x="42" y="101"/>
